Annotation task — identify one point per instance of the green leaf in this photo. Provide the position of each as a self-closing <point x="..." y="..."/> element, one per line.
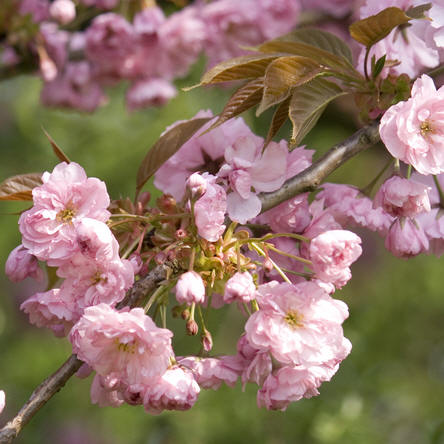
<point x="374" y="28"/>
<point x="279" y="118"/>
<point x="57" y="150"/>
<point x="239" y="68"/>
<point x="244" y="98"/>
<point x="378" y="66"/>
<point x="282" y="75"/>
<point x="320" y="39"/>
<point x="168" y="144"/>
<point x="307" y="104"/>
<point x="20" y="187"/>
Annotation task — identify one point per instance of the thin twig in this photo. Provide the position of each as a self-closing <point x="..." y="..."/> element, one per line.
<point x="311" y="178"/>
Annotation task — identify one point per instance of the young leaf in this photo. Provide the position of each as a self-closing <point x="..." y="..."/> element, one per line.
<point x="374" y="28"/>
<point x="320" y="39"/>
<point x="307" y="104"/>
<point x="244" y="98"/>
<point x="57" y="150"/>
<point x="246" y="67"/>
<point x="282" y="75"/>
<point x="168" y="144"/>
<point x="19" y="187"/>
<point x="279" y="118"/>
<point x="417" y="12"/>
<point x="378" y="66"/>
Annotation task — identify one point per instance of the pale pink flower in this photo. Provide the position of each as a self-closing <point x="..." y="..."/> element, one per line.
<point x="176" y="389"/>
<point x="290" y="384"/>
<point x="126" y="344"/>
<point x="350" y="208"/>
<point x="149" y="92"/>
<point x="298" y="324"/>
<point x="210" y="372"/>
<point x="403" y="197"/>
<point x="332" y="253"/>
<point x="103" y="396"/>
<point x="190" y="288"/>
<point x="240" y="287"/>
<point x="63" y="11"/>
<point x="209" y="211"/>
<point x="2" y="400"/>
<point x="39" y="9"/>
<point x="21" y="264"/>
<point x="413" y="130"/>
<point x="48" y="309"/>
<point x="406" y="238"/>
<point x="66" y="196"/>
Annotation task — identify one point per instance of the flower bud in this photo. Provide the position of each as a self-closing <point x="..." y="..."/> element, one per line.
<point x="197" y="185"/>
<point x="63" y="11"/>
<point x="406" y="239"/>
<point x="2" y="400"/>
<point x="190" y="288"/>
<point x="185" y="315"/>
<point x="167" y="203"/>
<point x="207" y="340"/>
<point x="21" y="264"/>
<point x="192" y="327"/>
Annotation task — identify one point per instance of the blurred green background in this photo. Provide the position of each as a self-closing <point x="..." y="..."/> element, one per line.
<point x="389" y="390"/>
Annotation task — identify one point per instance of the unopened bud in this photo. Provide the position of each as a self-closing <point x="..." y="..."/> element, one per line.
<point x="192" y="327"/>
<point x="197" y="185"/>
<point x="181" y="234"/>
<point x="176" y="311"/>
<point x="64" y="11"/>
<point x="160" y="258"/>
<point x="185" y="315"/>
<point x="268" y="266"/>
<point x="167" y="204"/>
<point x="207" y="340"/>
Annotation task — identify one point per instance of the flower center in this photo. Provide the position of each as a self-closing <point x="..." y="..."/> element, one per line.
<point x="66" y="215"/>
<point x="425" y="128"/>
<point x="97" y="278"/>
<point x="294" y="319"/>
<point x="129" y="347"/>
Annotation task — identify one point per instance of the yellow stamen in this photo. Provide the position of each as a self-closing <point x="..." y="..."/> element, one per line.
<point x="294" y="319"/>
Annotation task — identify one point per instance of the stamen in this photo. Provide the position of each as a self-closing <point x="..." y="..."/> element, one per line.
<point x="294" y="319"/>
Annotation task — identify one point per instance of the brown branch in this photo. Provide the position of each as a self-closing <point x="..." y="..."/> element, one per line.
<point x="311" y="178"/>
<point x="51" y="385"/>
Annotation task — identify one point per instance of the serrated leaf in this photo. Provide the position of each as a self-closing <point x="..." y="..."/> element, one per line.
<point x="246" y="67"/>
<point x="20" y="187"/>
<point x="167" y="145"/>
<point x="307" y="104"/>
<point x="282" y="75"/>
<point x="244" y="98"/>
<point x="57" y="150"/>
<point x="320" y="39"/>
<point x="417" y="12"/>
<point x="374" y="28"/>
<point x="279" y="118"/>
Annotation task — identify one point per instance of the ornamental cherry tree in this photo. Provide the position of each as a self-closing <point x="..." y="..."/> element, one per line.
<point x="242" y="220"/>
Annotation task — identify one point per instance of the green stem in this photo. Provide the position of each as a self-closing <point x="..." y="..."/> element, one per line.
<point x="366" y="191"/>
<point x="284" y="253"/>
<point x="440" y="192"/>
<point x="276" y="266"/>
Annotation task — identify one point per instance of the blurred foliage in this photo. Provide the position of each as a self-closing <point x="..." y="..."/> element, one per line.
<point x="390" y="389"/>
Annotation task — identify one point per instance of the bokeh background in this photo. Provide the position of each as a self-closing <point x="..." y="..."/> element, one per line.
<point x="389" y="390"/>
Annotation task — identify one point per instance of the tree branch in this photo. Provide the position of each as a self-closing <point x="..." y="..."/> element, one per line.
<point x="51" y="385"/>
<point x="311" y="177"/>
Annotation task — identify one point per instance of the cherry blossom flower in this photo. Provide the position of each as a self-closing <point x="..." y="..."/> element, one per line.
<point x="412" y="131"/>
<point x="332" y="253"/>
<point x="190" y="288"/>
<point x="240" y="287"/>
<point x="406" y="238"/>
<point x="402" y="197"/>
<point x="298" y="324"/>
<point x="66" y="196"/>
<point x="125" y="344"/>
<point x="63" y="11"/>
<point x="102" y="395"/>
<point x="21" y="264"/>
<point x="149" y="92"/>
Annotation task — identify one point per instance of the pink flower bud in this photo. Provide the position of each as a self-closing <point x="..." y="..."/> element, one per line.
<point x="2" y="400"/>
<point x="192" y="327"/>
<point x="403" y="197"/>
<point x="21" y="264"/>
<point x="64" y="11"/>
<point x="136" y="262"/>
<point x="207" y="340"/>
<point x="197" y="185"/>
<point x="240" y="288"/>
<point x="406" y="239"/>
<point x="190" y="288"/>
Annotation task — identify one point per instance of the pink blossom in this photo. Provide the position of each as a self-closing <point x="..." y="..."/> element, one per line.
<point x="39" y="9"/>
<point x="289" y="384"/>
<point x="2" y="400"/>
<point x="240" y="287"/>
<point x="190" y="288"/>
<point x="298" y="324"/>
<point x="56" y="43"/>
<point x="176" y="389"/>
<point x="20" y="265"/>
<point x="406" y="238"/>
<point x="63" y="11"/>
<point x="409" y="47"/>
<point x="75" y="88"/>
<point x="201" y="153"/>
<point x="125" y="344"/>
<point x="209" y="211"/>
<point x="50" y="310"/>
<point x="350" y="208"/>
<point x="402" y="197"/>
<point x="104" y="396"/>
<point x="149" y="92"/>
<point x="210" y="372"/>
<point x="332" y="253"/>
<point x="101" y="4"/>
<point x="66" y="196"/>
<point x="413" y="130"/>
<point x="336" y="8"/>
